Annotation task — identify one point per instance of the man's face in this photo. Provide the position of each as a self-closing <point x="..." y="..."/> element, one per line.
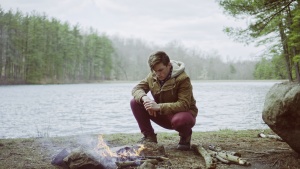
<point x="161" y="71"/>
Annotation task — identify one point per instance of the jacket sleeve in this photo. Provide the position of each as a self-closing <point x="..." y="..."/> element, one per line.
<point x="140" y="90"/>
<point x="183" y="102"/>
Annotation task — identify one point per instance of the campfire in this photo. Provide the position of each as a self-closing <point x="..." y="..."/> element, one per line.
<point x="100" y="155"/>
<point x="104" y="157"/>
<point x="123" y="154"/>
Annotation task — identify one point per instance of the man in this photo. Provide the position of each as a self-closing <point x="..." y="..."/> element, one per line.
<point x="173" y="107"/>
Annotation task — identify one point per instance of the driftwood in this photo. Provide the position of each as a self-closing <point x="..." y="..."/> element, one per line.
<point x="219" y="149"/>
<point x="216" y="157"/>
<point x="222" y="159"/>
<point x="209" y="162"/>
<point x="217" y="154"/>
<point x="228" y="158"/>
<point x="135" y="163"/>
<point x="262" y="135"/>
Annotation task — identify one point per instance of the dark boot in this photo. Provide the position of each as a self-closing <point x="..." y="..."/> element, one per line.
<point x="184" y="143"/>
<point x="148" y="139"/>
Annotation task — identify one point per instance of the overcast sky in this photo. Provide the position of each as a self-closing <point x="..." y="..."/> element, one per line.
<point x="195" y="23"/>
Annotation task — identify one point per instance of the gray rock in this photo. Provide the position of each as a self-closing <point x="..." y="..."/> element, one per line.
<point x="282" y="112"/>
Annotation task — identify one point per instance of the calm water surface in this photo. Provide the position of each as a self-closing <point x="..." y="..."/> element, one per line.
<point x="60" y="110"/>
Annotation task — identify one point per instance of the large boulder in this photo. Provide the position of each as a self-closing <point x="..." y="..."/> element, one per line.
<point x="282" y="112"/>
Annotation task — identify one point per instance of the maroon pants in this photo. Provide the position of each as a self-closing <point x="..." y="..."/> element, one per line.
<point x="182" y="122"/>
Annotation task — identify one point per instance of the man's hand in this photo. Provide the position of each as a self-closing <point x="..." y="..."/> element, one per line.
<point x="151" y="106"/>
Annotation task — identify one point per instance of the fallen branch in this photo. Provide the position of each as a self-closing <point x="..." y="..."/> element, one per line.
<point x="214" y="154"/>
<point x="275" y="162"/>
<point x="209" y="163"/>
<point x="232" y="158"/>
<point x="158" y="158"/>
<point x="217" y="157"/>
<point x="222" y="159"/>
<point x="262" y="135"/>
<point x="219" y="149"/>
<point x="135" y="163"/>
<point x="228" y="158"/>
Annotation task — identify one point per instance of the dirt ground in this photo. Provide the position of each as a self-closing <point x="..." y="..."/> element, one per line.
<point x="262" y="153"/>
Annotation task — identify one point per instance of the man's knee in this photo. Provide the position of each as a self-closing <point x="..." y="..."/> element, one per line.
<point x="135" y="106"/>
<point x="132" y="102"/>
<point x="183" y="119"/>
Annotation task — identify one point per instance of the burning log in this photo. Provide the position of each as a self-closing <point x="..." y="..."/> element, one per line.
<point x="143" y="150"/>
<point x="79" y="159"/>
<point x="209" y="163"/>
<point x="76" y="159"/>
<point x="125" y="164"/>
<point x="58" y="160"/>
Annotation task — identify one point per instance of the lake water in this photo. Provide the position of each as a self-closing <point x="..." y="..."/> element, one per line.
<point x="61" y="110"/>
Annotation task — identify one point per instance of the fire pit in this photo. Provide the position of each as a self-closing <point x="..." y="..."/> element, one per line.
<point x="104" y="157"/>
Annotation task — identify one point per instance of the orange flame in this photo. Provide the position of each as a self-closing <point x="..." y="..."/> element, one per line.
<point x="104" y="150"/>
<point x="102" y="146"/>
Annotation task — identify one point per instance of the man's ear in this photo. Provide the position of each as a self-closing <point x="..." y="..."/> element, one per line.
<point x="169" y="64"/>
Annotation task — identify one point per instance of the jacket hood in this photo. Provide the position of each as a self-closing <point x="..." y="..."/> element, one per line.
<point x="178" y="68"/>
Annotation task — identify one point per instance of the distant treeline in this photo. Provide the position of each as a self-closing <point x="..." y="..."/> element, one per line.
<point x="131" y="61"/>
<point x="36" y="49"/>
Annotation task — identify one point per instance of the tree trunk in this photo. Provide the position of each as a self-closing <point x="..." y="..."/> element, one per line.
<point x="294" y="50"/>
<point x="297" y="71"/>
<point x="296" y="65"/>
<point x="285" y="51"/>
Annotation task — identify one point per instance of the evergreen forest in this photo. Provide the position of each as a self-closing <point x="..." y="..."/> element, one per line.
<point x="38" y="49"/>
<point x="274" y="23"/>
